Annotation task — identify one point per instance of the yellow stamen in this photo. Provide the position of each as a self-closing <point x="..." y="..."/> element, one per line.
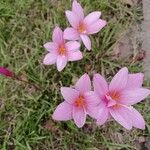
<point x="81" y="28"/>
<point x="80" y="101"/>
<point x="114" y="95"/>
<point x="62" y="50"/>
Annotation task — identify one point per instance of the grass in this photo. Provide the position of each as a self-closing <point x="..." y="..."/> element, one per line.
<point x="25" y="113"/>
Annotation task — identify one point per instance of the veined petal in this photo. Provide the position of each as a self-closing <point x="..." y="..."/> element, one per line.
<point x="130" y="97"/>
<point x="61" y="62"/>
<point x="86" y="40"/>
<point x="51" y="46"/>
<point x="58" y="35"/>
<point x="84" y="83"/>
<point x="79" y="116"/>
<point x="77" y="9"/>
<point x="96" y="26"/>
<point x="72" y="45"/>
<point x="137" y="119"/>
<point x="135" y="80"/>
<point x="74" y="56"/>
<point x="92" y="17"/>
<point x="69" y="94"/>
<point x="121" y="115"/>
<point x="71" y="34"/>
<point x="72" y="18"/>
<point x="100" y="85"/>
<point x="63" y="112"/>
<point x="102" y="114"/>
<point x="49" y="59"/>
<point x="119" y="81"/>
<point x="91" y="98"/>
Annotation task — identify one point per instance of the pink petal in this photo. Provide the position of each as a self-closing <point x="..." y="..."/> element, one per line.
<point x="92" y="111"/>
<point x="102" y="114"/>
<point x="72" y="18"/>
<point x="6" y="72"/>
<point x="130" y="97"/>
<point x="121" y="115"/>
<point x="73" y="56"/>
<point x="100" y="85"/>
<point x="96" y="26"/>
<point x="49" y="59"/>
<point x="79" y="116"/>
<point x="51" y="46"/>
<point x="61" y="62"/>
<point x="135" y="80"/>
<point x="86" y="40"/>
<point x="83" y="84"/>
<point x="71" y="34"/>
<point x="72" y="45"/>
<point x="91" y="98"/>
<point x="111" y="102"/>
<point x="92" y="17"/>
<point x="77" y="9"/>
<point x="63" y="112"/>
<point x="58" y="35"/>
<point x="137" y="119"/>
<point x="119" y="81"/>
<point x="69" y="94"/>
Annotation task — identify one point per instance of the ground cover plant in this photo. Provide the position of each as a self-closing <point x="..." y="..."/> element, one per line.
<point x="26" y="111"/>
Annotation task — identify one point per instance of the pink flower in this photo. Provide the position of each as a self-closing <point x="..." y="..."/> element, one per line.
<point x="82" y="26"/>
<point x="123" y="91"/>
<point x="6" y="72"/>
<point x="79" y="102"/>
<point x="61" y="52"/>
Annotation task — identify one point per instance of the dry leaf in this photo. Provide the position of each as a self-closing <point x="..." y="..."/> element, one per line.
<point x="123" y="48"/>
<point x="49" y="125"/>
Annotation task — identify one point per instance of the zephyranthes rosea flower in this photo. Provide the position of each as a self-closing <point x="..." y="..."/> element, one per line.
<point x="82" y="26"/>
<point x="6" y="72"/>
<point x="116" y="98"/>
<point x="60" y="52"/>
<point x="79" y="102"/>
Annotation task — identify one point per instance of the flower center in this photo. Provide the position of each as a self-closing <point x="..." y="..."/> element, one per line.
<point x="114" y="95"/>
<point x="62" y="50"/>
<point x="81" y="28"/>
<point x="80" y="101"/>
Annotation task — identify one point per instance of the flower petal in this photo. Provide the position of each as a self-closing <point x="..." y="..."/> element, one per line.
<point x="71" y="34"/>
<point x="96" y="26"/>
<point x="58" y="35"/>
<point x="91" y="98"/>
<point x="77" y="9"/>
<point x="69" y="94"/>
<point x="100" y="85"/>
<point x="63" y="112"/>
<point x="79" y="116"/>
<point x="83" y="84"/>
<point x="92" y="17"/>
<point x="49" y="59"/>
<point x="119" y="81"/>
<point x="135" y="80"/>
<point x="72" y="45"/>
<point x="137" y="119"/>
<point x="72" y="18"/>
<point x="61" y="62"/>
<point x="130" y="97"/>
<point x="73" y="56"/>
<point x="121" y="115"/>
<point x="86" y="40"/>
<point x="102" y="114"/>
<point x="51" y="46"/>
<point x="6" y="72"/>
